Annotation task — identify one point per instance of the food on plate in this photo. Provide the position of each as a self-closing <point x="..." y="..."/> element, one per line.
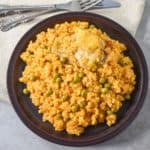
<point x="77" y="76"/>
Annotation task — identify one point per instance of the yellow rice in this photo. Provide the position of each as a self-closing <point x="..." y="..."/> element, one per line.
<point x="77" y="76"/>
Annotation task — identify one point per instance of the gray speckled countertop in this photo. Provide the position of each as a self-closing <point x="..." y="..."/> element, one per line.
<point x="14" y="135"/>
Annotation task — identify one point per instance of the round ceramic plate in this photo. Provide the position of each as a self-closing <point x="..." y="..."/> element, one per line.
<point x="95" y="134"/>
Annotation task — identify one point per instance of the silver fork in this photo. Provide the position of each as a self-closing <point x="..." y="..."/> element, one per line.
<point x="70" y="6"/>
<point x="9" y="10"/>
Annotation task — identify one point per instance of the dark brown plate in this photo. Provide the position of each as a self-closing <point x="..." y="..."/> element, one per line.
<point x="93" y="135"/>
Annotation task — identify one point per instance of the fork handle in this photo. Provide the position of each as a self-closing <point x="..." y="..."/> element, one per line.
<point x="24" y="19"/>
<point x="7" y="10"/>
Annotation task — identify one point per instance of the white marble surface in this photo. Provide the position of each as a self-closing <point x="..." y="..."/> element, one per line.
<point x="14" y="135"/>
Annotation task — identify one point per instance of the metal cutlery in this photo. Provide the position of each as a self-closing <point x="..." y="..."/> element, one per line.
<point x="8" y="10"/>
<point x="8" y="24"/>
<point x="70" y="6"/>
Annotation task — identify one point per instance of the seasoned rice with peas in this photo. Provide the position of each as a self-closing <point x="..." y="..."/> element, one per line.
<point x="77" y="76"/>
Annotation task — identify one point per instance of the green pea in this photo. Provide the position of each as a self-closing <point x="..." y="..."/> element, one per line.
<point x="58" y="80"/>
<point x="81" y="74"/>
<point x="107" y="85"/>
<point x="109" y="112"/>
<point x="26" y="91"/>
<point x="127" y="96"/>
<point x="49" y="92"/>
<point x="65" y="97"/>
<point x="77" y="79"/>
<point x="122" y="62"/>
<point x="83" y="104"/>
<point x="33" y="78"/>
<point x="92" y="26"/>
<point x="84" y="93"/>
<point x="63" y="60"/>
<point x="102" y="80"/>
<point x="59" y="116"/>
<point x="44" y="46"/>
<point x="57" y="75"/>
<point x="74" y="108"/>
<point x="104" y="90"/>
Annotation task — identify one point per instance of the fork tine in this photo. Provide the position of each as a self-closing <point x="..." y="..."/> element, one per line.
<point x="83" y="2"/>
<point x="89" y="4"/>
